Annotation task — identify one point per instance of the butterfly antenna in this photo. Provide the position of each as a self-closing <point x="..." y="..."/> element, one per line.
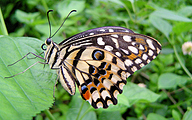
<point x="62" y="23"/>
<point x="49" y="22"/>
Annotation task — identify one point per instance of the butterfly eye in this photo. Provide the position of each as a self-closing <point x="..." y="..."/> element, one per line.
<point x="48" y="41"/>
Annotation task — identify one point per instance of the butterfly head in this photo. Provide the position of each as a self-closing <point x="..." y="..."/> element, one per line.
<point x="48" y="41"/>
<point x="49" y="47"/>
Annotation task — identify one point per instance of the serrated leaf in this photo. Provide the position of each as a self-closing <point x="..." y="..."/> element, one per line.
<point x="170" y="80"/>
<point x="27" y="94"/>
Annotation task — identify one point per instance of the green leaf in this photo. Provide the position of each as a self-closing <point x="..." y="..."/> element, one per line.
<point x="176" y="115"/>
<point x="25" y="17"/>
<point x="187" y="115"/>
<point x="170" y="15"/>
<point x="66" y="6"/>
<point x="114" y="115"/>
<point x="154" y="116"/>
<point x="80" y="109"/>
<point x="27" y="94"/>
<point x="119" y="2"/>
<point x="185" y="11"/>
<point x="162" y="25"/>
<point x="182" y="27"/>
<point x="135" y="93"/>
<point x="170" y="80"/>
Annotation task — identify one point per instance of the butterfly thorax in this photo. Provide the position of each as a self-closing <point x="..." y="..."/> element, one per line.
<point x="52" y="54"/>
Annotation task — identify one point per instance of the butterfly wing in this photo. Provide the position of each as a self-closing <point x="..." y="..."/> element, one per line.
<point x="102" y="59"/>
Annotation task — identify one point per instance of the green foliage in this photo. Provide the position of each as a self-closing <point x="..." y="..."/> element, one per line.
<point x="167" y="80"/>
<point x="26" y="94"/>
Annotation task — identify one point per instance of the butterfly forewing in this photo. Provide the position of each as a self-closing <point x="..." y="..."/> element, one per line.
<point x="100" y="60"/>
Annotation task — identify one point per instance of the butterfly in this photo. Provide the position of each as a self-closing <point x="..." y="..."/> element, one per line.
<point x="99" y="61"/>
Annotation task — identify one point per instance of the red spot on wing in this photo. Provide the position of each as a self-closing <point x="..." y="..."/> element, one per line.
<point x="86" y="95"/>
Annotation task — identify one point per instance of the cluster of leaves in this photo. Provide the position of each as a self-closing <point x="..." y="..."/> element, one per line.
<point x="167" y="80"/>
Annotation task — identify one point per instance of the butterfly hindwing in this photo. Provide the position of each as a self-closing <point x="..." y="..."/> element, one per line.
<point x="99" y="79"/>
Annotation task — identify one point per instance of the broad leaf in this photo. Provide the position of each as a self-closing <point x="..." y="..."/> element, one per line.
<point x="27" y="94"/>
<point x="170" y="80"/>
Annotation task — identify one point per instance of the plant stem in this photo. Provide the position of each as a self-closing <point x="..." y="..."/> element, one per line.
<point x="182" y="65"/>
<point x="49" y="115"/>
<point x="179" y="59"/>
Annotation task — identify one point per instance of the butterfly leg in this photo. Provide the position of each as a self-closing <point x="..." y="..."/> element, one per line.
<point x="26" y="56"/>
<point x="26" y="69"/>
<point x="35" y="56"/>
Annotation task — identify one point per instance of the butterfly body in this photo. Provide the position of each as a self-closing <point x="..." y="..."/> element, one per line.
<point x="99" y="61"/>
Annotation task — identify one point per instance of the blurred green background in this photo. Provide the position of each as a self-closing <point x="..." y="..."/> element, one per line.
<point x="166" y="92"/>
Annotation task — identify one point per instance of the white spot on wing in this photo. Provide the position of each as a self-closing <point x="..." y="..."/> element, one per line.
<point x="111" y="30"/>
<point x="125" y="51"/>
<point x="102" y="30"/>
<point x="150" y="53"/>
<point x="105" y="94"/>
<point x="95" y="95"/>
<point x="133" y="43"/>
<point x="134" y="68"/>
<point x="133" y="49"/>
<point x="99" y="105"/>
<point x="109" y="102"/>
<point x="148" y="61"/>
<point x="115" y="35"/>
<point x="116" y="42"/>
<point x="108" y="48"/>
<point x="144" y="57"/>
<point x="115" y="93"/>
<point x="91" y="33"/>
<point x="141" y="65"/>
<point x="118" y="54"/>
<point x="128" y="62"/>
<point x="149" y="42"/>
<point x="100" y="41"/>
<point x="141" y="47"/>
<point x="121" y="86"/>
<point x="113" y="79"/>
<point x="107" y="84"/>
<point x="127" y="38"/>
<point x="138" y="60"/>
